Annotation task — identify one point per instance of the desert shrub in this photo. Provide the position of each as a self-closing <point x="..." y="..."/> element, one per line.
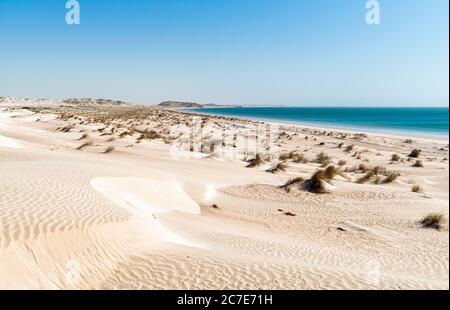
<point x="342" y="162"/>
<point x="300" y="158"/>
<point x="278" y="167"/>
<point x="418" y="164"/>
<point x="323" y="159"/>
<point x="291" y="182"/>
<point x="416" y="189"/>
<point x="84" y="136"/>
<point x="365" y="178"/>
<point x="316" y="184"/>
<point x="415" y="153"/>
<point x="433" y="220"/>
<point x="82" y="146"/>
<point x="391" y="177"/>
<point x="108" y="150"/>
<point x="395" y="157"/>
<point x="257" y="161"/>
<point x="379" y="170"/>
<point x="330" y="172"/>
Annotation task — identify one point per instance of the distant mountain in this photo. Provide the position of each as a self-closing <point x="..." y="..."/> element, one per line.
<point x="93" y="102"/>
<point x="181" y="105"/>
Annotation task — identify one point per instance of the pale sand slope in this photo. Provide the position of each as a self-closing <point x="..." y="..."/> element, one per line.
<point x="137" y="218"/>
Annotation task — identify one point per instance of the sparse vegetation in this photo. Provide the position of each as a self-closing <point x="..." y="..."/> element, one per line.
<point x="395" y="157"/>
<point x="85" y="144"/>
<point x="316" y="184"/>
<point x="418" y="164"/>
<point x="417" y="189"/>
<point x="342" y="162"/>
<point x="433" y="220"/>
<point x="291" y="182"/>
<point x="257" y="161"/>
<point x="84" y="136"/>
<point x="323" y="159"/>
<point x="278" y="167"/>
<point x="391" y="177"/>
<point x="108" y="150"/>
<point x="365" y="178"/>
<point x="330" y="172"/>
<point x="415" y="153"/>
<point x="349" y="148"/>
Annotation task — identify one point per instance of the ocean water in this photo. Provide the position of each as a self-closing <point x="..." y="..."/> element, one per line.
<point x="418" y="121"/>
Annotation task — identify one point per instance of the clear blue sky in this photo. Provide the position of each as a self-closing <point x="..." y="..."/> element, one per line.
<point x="256" y="52"/>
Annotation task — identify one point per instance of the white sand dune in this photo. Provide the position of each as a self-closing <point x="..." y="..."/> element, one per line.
<point x="147" y="199"/>
<point x="8" y="142"/>
<point x="138" y="218"/>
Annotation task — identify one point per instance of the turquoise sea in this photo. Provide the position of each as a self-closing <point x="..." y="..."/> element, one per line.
<point x="419" y="121"/>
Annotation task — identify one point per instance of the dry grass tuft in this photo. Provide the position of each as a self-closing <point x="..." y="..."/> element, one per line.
<point x="323" y="159"/>
<point x="84" y="136"/>
<point x="108" y="150"/>
<point x="433" y="220"/>
<point x="349" y="148"/>
<point x="415" y="153"/>
<point x="342" y="162"/>
<point x="316" y="184"/>
<point x="391" y="177"/>
<point x="418" y="164"/>
<point x="330" y="172"/>
<point x="85" y="144"/>
<point x="278" y="167"/>
<point x="417" y="189"/>
<point x="395" y="157"/>
<point x="366" y="178"/>
<point x="291" y="182"/>
<point x="257" y="161"/>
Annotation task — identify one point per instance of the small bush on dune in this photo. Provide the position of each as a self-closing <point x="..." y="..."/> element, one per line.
<point x="291" y="182"/>
<point x="108" y="150"/>
<point x="84" y="136"/>
<point x="82" y="146"/>
<point x="349" y="148"/>
<point x="323" y="159"/>
<point x="433" y="220"/>
<point x="379" y="170"/>
<point x="286" y="156"/>
<point x="316" y="184"/>
<point x="278" y="167"/>
<point x="415" y="153"/>
<point x="300" y="158"/>
<point x="418" y="164"/>
<point x="416" y="189"/>
<point x="257" y="161"/>
<point x="391" y="177"/>
<point x="342" y="162"/>
<point x="363" y="168"/>
<point x="395" y="157"/>
<point x="365" y="178"/>
<point x="330" y="172"/>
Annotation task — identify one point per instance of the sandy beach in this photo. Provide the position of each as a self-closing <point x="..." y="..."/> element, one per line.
<point x="99" y="195"/>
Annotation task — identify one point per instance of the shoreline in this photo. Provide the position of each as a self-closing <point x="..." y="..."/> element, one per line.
<point x="380" y="133"/>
